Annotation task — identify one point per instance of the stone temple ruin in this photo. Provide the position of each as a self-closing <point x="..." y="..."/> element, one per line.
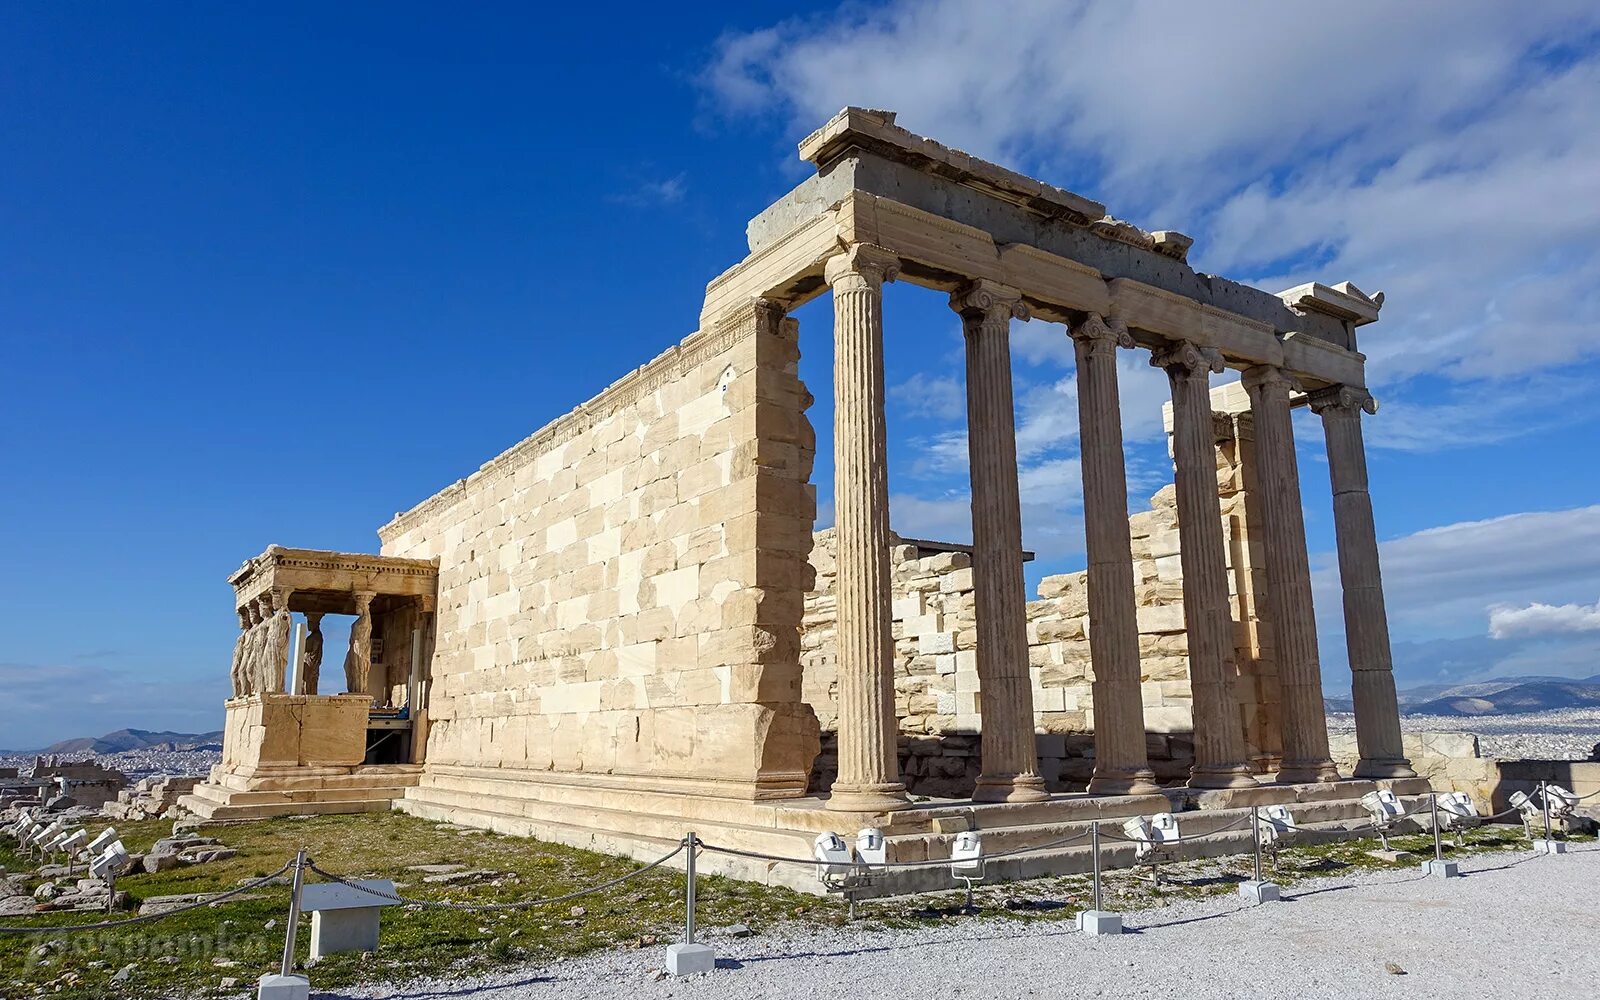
<point x="625" y="626"/>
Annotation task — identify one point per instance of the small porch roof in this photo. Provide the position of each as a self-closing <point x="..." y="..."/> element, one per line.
<point x="323" y="581"/>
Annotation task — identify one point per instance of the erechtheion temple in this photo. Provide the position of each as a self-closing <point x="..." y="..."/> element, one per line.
<point x="627" y="626"/>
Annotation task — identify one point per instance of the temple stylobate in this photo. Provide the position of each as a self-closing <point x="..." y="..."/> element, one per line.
<point x="628" y="625"/>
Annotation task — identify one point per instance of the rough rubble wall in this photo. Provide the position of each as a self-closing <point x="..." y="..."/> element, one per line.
<point x="620" y="594"/>
<point x="936" y="677"/>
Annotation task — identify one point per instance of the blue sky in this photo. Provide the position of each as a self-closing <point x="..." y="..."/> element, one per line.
<point x="269" y="274"/>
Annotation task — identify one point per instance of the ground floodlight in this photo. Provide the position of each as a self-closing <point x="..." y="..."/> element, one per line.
<point x="1273" y="824"/>
<point x="871" y="848"/>
<point x="1385" y="810"/>
<point x="44" y="836"/>
<point x="966" y="860"/>
<point x="100" y="842"/>
<point x="55" y="843"/>
<point x="1138" y="831"/>
<point x="1562" y="802"/>
<point x="1153" y="840"/>
<point x="966" y="855"/>
<point x="1457" y="812"/>
<point x="834" y="857"/>
<point x="110" y="861"/>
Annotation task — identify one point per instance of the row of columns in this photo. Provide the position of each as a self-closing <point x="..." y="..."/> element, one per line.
<point x="868" y="777"/>
<point x="262" y="648"/>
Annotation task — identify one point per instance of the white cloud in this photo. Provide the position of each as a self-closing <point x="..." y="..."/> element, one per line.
<point x="924" y="395"/>
<point x="1442" y="581"/>
<point x="1543" y="619"/>
<point x="668" y="191"/>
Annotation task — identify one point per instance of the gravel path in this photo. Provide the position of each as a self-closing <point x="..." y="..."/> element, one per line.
<point x="1518" y="925"/>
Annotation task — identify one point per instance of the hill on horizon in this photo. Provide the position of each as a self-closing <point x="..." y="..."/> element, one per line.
<point x="1510" y="696"/>
<point x="126" y="739"/>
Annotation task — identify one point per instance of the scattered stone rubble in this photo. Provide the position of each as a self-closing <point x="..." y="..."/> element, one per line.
<point x="151" y="798"/>
<point x="179" y="851"/>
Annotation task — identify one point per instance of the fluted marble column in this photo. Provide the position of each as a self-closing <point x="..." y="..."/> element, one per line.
<point x="1009" y="753"/>
<point x="1121" y="764"/>
<point x="1294" y="624"/>
<point x="869" y="764"/>
<point x="1220" y="760"/>
<point x="1366" y="624"/>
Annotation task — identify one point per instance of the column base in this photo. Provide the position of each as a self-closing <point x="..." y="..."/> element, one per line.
<point x="1222" y="776"/>
<point x="1010" y="788"/>
<point x="1396" y="767"/>
<point x="886" y="797"/>
<point x="1123" y="781"/>
<point x="1307" y="772"/>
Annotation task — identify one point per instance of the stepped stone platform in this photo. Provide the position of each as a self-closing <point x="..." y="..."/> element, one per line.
<point x="606" y="816"/>
<point x="301" y="791"/>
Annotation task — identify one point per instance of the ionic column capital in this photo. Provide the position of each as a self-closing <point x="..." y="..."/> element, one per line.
<point x="988" y="301"/>
<point x="1343" y="400"/>
<point x="1101" y="334"/>
<point x="1186" y="358"/>
<point x="1270" y="378"/>
<point x="861" y="266"/>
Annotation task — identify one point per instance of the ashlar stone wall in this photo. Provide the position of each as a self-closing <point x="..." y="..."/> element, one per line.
<point x="620" y="594"/>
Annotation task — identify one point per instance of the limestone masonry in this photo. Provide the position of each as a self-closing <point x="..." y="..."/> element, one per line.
<point x="627" y="626"/>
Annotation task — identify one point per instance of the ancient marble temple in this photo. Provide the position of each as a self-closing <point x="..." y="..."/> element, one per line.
<point x="626" y="625"/>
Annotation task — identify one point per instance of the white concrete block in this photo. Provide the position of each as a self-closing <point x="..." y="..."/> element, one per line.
<point x="690" y="959"/>
<point x="1542" y="846"/>
<point x="1098" y="922"/>
<point x="1441" y="869"/>
<point x="1259" y="892"/>
<point x="276" y="987"/>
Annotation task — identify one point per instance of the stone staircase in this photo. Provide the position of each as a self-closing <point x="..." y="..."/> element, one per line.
<point x="368" y="788"/>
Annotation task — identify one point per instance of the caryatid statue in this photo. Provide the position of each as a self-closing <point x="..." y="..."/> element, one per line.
<point x="276" y="652"/>
<point x="239" y="675"/>
<point x="358" y="661"/>
<point x="311" y="655"/>
<point x="254" y="641"/>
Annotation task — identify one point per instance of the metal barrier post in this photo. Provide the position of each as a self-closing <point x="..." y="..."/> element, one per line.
<point x="1549" y="845"/>
<point x="1258" y="889"/>
<point x="286" y="985"/>
<point x="1438" y="866"/>
<point x="1097" y="921"/>
<point x="688" y="892"/>
<point x="688" y="957"/>
<point x="287" y="965"/>
<point x="1255" y="834"/>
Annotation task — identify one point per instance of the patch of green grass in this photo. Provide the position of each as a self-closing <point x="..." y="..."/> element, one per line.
<point x="180" y="955"/>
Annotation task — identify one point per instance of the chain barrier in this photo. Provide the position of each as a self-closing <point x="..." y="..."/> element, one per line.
<point x="864" y="866"/>
<point x="148" y="917"/>
<point x="516" y="905"/>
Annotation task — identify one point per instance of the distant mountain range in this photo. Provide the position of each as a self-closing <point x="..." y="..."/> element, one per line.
<point x="130" y="739"/>
<point x="1503" y="696"/>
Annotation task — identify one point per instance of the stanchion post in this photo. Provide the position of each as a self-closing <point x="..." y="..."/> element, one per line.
<point x="1258" y="890"/>
<point x="285" y="985"/>
<point x="1544" y="807"/>
<point x="687" y="957"/>
<point x="1438" y="866"/>
<point x="1549" y="845"/>
<point x="1097" y="921"/>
